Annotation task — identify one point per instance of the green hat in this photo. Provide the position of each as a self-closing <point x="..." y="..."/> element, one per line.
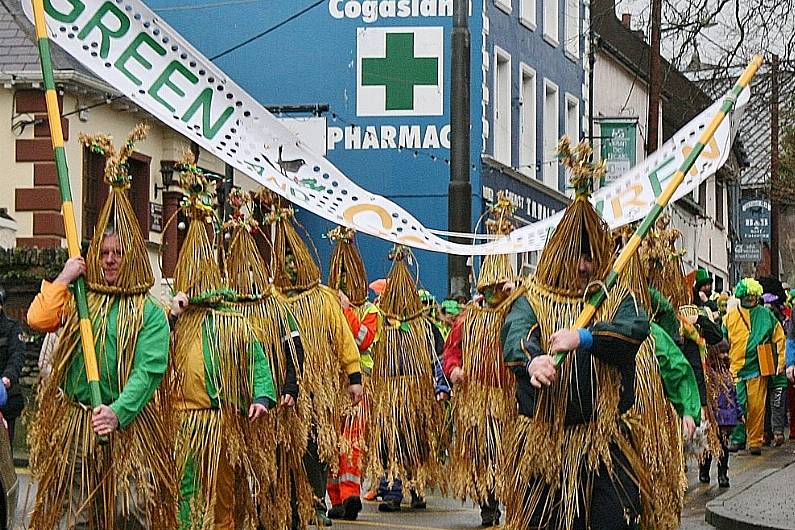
<point x="702" y="278"/>
<point x="748" y="286"/>
<point x="451" y="307"/>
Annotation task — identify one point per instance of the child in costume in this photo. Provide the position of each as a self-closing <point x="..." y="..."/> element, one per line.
<point x="128" y="483"/>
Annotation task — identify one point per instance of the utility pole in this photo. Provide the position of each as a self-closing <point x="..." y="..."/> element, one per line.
<point x="774" y="206"/>
<point x="459" y="205"/>
<point x="655" y="78"/>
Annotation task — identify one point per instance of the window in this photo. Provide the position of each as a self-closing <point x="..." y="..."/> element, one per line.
<point x="502" y="107"/>
<point x="572" y="27"/>
<point x="719" y="202"/>
<point x="702" y="195"/>
<point x="527" y="13"/>
<point x="504" y="5"/>
<point x="572" y="118"/>
<point x="527" y="128"/>
<point x="138" y="166"/>
<point x="551" y="21"/>
<point x="95" y="191"/>
<point x="551" y="134"/>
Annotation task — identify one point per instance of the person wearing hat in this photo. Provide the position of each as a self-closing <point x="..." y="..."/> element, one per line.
<point x="347" y="274"/>
<point x="12" y="358"/>
<point x="130" y="481"/>
<point x="483" y="398"/>
<point x="702" y="290"/>
<point x="569" y="460"/>
<point x="756" y="352"/>
<point x="223" y="379"/>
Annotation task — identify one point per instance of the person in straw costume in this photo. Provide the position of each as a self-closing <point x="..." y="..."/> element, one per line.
<point x="348" y="276"/>
<point x="404" y="417"/>
<point x="483" y="393"/>
<point x="130" y="482"/>
<point x="666" y="404"/>
<point x="569" y="460"/>
<point x="275" y="328"/>
<point x="223" y="379"/>
<point x="329" y="346"/>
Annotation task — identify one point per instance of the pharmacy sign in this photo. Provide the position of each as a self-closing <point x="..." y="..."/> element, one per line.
<point x="400" y="71"/>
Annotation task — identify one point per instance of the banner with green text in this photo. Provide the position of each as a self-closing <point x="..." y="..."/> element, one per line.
<point x="128" y="46"/>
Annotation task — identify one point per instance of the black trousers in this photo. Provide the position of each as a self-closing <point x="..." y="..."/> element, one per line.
<point x="614" y="504"/>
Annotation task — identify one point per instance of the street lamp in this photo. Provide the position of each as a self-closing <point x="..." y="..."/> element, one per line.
<point x="167" y="176"/>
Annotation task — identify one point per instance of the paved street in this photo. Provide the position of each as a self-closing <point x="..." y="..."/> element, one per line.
<point x="748" y="474"/>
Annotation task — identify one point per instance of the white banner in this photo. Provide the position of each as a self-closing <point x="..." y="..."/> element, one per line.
<point x="129" y="47"/>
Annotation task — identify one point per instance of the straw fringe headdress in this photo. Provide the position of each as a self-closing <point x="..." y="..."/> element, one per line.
<point x="484" y="401"/>
<point x="61" y="438"/>
<point x="207" y="436"/>
<point x="285" y="432"/>
<point x="658" y="434"/>
<point x="346" y="267"/>
<point x="556" y="296"/>
<point x="317" y="311"/>
<point x="404" y="416"/>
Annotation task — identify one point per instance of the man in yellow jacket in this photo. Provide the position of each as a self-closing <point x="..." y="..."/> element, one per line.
<point x="756" y="352"/>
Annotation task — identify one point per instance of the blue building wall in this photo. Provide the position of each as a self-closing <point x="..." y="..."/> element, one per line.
<point x="314" y="59"/>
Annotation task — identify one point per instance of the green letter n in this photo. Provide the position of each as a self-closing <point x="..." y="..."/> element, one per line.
<point x="205" y="101"/>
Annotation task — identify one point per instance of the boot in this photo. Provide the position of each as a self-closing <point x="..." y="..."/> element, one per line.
<point x="336" y="512"/>
<point x="703" y="469"/>
<point x="723" y="470"/>
<point x="417" y="502"/>
<point x="351" y="508"/>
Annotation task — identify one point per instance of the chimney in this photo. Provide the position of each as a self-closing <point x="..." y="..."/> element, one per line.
<point x="626" y="20"/>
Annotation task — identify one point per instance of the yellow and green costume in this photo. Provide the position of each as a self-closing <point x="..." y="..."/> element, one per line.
<point x="221" y="370"/>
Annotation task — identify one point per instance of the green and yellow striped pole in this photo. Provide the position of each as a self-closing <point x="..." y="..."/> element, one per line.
<point x="67" y="209"/>
<point x="633" y="244"/>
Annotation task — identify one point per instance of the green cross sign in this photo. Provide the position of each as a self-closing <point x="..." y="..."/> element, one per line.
<point x="400" y="71"/>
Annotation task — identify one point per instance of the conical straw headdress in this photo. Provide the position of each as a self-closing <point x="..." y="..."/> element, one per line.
<point x="246" y="271"/>
<point x="346" y="267"/>
<point x="197" y="272"/>
<point x="497" y="269"/>
<point x="289" y="247"/>
<point x="118" y="217"/>
<point x="580" y="231"/>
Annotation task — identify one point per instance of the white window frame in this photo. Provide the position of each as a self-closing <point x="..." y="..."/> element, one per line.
<point x="551" y="172"/>
<point x="502" y="56"/>
<point x="504" y="5"/>
<point x="574" y="136"/>
<point x="528" y="122"/>
<point x="571" y="28"/>
<point x="552" y="21"/>
<point x="527" y="14"/>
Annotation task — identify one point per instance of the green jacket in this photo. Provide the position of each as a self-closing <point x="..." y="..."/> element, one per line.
<point x="677" y="375"/>
<point x="149" y="365"/>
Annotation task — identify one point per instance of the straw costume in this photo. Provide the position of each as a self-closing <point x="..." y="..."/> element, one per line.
<point x="569" y="460"/>
<point x="222" y="372"/>
<point x="404" y="416"/>
<point x="665" y="389"/>
<point x="330" y="352"/>
<point x="284" y="432"/>
<point x="347" y="274"/>
<point x="483" y="401"/>
<point x="130" y="481"/>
